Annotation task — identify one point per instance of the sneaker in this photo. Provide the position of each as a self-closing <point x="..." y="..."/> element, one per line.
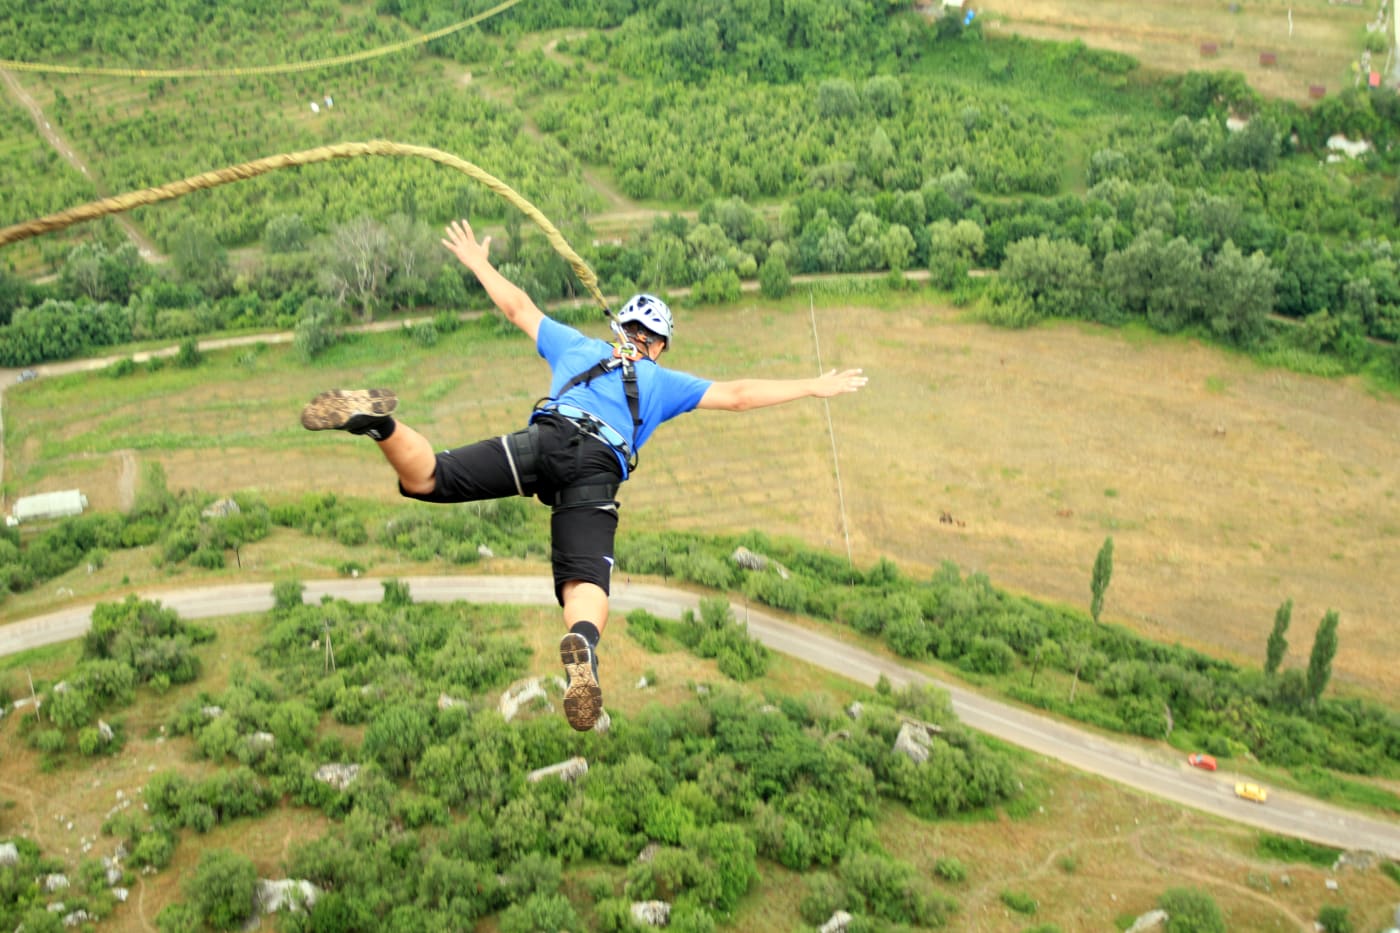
<point x="358" y="411"/>
<point x="583" y="698"/>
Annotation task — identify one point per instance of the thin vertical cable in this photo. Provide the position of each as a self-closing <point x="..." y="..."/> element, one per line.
<point x="830" y="431"/>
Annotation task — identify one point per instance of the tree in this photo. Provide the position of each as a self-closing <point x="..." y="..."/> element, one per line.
<point x="1103" y="573"/>
<point x="287" y="594"/>
<point x="1324" y="649"/>
<point x="1056" y="275"/>
<point x="953" y="247"/>
<point x="221" y="888"/>
<point x="1077" y="653"/>
<point x="1278" y="644"/>
<point x="315" y="331"/>
<point x="200" y="260"/>
<point x="286" y="233"/>
<point x="774" y="281"/>
<point x="1158" y="279"/>
<point x="897" y="244"/>
<point x="837" y="99"/>
<point x="189" y="355"/>
<point x="356" y="264"/>
<point x="1241" y="294"/>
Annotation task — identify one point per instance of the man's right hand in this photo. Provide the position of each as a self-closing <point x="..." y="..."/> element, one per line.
<point x="463" y="244"/>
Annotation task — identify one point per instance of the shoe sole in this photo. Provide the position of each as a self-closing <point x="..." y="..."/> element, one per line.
<point x="583" y="698"/>
<point x="335" y="410"/>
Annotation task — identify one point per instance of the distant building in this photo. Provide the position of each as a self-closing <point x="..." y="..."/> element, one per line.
<point x="47" y="505"/>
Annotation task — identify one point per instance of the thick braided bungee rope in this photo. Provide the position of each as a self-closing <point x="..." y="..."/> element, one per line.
<point x="375" y="147"/>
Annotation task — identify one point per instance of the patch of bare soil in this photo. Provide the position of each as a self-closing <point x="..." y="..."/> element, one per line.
<point x="1311" y="42"/>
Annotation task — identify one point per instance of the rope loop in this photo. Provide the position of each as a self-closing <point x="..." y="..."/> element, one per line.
<point x="375" y="147"/>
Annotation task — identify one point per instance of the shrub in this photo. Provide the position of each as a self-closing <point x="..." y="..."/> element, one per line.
<point x="221" y="888"/>
<point x="1020" y="901"/>
<point x="1334" y="919"/>
<point x="950" y="869"/>
<point x="1191" y="910"/>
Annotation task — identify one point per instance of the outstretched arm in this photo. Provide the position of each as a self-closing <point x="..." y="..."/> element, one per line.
<point x="510" y="298"/>
<point x="746" y="394"/>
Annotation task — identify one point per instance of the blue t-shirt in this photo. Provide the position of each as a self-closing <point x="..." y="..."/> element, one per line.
<point x="663" y="393"/>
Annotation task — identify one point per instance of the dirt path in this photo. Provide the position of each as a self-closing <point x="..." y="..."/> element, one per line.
<point x="126" y="481"/>
<point x="143" y="243"/>
<point x="25" y="798"/>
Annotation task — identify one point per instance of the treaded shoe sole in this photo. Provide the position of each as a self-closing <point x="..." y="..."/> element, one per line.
<point x="583" y="698"/>
<point x="347" y="409"/>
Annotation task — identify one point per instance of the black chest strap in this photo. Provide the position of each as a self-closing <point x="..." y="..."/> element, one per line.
<point x="629" y="384"/>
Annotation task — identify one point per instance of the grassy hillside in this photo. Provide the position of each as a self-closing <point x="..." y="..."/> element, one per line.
<point x="1227" y="488"/>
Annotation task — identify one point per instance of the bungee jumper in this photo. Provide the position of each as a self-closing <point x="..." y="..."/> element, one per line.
<point x="579" y="445"/>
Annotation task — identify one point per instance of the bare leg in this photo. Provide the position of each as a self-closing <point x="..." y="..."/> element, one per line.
<point x="412" y="457"/>
<point x="583" y="602"/>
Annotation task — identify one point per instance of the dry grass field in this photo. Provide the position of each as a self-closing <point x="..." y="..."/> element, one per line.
<point x="1167" y="36"/>
<point x="1227" y="488"/>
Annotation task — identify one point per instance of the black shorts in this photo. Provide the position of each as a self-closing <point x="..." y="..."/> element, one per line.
<point x="582" y="535"/>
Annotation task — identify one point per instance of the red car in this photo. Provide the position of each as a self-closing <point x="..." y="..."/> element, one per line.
<point x="1197" y="760"/>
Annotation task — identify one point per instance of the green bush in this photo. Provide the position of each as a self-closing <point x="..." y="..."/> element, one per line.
<point x="1334" y="919"/>
<point x="1020" y="901"/>
<point x="950" y="868"/>
<point x="1191" y="910"/>
<point x="221" y="889"/>
<point x="1288" y="849"/>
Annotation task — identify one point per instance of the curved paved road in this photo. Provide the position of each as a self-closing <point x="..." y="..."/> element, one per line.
<point x="1286" y="814"/>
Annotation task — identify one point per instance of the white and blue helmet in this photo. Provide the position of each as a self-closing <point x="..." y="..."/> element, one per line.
<point x="649" y="311"/>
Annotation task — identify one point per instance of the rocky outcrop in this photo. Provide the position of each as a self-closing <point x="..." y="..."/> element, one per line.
<point x="570" y="770"/>
<point x="339" y="776"/>
<point x="651" y="913"/>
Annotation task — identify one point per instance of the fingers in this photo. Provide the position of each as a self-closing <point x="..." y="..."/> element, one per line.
<point x="459" y="231"/>
<point x="460" y="237"/>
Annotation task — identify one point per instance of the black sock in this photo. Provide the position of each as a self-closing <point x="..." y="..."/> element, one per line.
<point x="588" y="630"/>
<point x="380" y="429"/>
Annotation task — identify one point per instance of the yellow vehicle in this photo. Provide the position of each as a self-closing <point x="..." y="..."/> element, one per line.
<point x="1251" y="792"/>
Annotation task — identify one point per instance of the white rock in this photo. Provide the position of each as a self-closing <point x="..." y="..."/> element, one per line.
<point x="838" y="923"/>
<point x="1152" y="920"/>
<point x="339" y="776"/>
<point x="285" y="894"/>
<point x="913" y="741"/>
<point x="448" y="702"/>
<point x="570" y="770"/>
<point x="651" y="913"/>
<point x="518" y="695"/>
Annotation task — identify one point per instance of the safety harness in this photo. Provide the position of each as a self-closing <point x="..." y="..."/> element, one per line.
<point x="522" y="447"/>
